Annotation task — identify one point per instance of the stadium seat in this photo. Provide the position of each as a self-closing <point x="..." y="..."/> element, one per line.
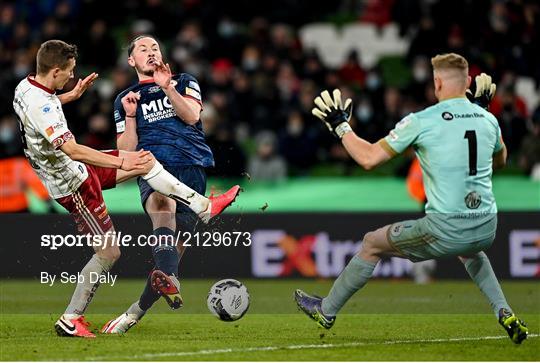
<point x="328" y="41"/>
<point x="371" y="42"/>
<point x="525" y="88"/>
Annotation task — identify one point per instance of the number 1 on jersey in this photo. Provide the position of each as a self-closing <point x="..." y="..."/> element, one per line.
<point x="470" y="135"/>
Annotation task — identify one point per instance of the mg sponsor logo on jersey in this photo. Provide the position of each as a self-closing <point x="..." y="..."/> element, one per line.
<point x="159" y="109"/>
<point x="275" y="253"/>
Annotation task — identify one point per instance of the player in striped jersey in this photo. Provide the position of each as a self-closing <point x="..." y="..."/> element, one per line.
<point x="75" y="175"/>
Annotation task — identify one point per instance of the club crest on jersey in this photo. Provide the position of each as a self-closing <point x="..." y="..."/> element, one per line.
<point x="396" y="230"/>
<point x="46" y="109"/>
<point x="403" y="123"/>
<point x="154" y="89"/>
<point x="58" y="142"/>
<point x="473" y="200"/>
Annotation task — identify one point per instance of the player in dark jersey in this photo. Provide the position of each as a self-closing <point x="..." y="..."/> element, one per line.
<point x="161" y="114"/>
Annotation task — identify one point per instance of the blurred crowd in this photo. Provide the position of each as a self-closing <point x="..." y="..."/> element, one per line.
<point x="259" y="82"/>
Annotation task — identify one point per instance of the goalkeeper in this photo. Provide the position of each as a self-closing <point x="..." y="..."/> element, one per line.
<point x="458" y="143"/>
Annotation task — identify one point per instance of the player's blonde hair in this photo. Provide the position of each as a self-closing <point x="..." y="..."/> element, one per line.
<point x="450" y="61"/>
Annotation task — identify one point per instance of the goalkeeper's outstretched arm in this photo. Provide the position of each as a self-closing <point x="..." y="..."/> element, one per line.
<point x="366" y="154"/>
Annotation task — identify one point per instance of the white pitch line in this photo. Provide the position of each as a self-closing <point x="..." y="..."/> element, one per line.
<point x="303" y="346"/>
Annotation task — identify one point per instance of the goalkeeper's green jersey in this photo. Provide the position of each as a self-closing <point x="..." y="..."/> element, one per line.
<point x="455" y="141"/>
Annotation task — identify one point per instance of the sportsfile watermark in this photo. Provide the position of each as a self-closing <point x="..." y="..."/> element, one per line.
<point x="184" y="239"/>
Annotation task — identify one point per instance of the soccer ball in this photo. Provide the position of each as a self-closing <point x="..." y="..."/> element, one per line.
<point x="228" y="300"/>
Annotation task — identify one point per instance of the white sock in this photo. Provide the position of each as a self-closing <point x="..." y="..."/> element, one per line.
<point x="135" y="311"/>
<point x="70" y="316"/>
<point x="85" y="290"/>
<point x="163" y="182"/>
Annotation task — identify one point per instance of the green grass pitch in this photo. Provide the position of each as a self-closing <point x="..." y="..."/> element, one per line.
<point x="388" y="320"/>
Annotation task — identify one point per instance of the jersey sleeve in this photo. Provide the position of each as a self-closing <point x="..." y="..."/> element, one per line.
<point x="189" y="87"/>
<point x="49" y="121"/>
<point x="404" y="134"/>
<point x="119" y="115"/>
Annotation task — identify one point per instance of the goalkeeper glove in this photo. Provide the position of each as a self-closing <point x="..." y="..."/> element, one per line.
<point x="484" y="91"/>
<point x="333" y="112"/>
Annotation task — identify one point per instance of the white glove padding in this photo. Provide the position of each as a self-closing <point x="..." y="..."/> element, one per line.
<point x="333" y="112"/>
<point x="484" y="85"/>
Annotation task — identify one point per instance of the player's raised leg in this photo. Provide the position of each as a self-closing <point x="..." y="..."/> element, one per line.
<point x="355" y="275"/>
<point x="481" y="272"/>
<point x="163" y="182"/>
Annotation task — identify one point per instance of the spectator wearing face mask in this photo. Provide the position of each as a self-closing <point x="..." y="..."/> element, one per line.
<point x="421" y="73"/>
<point x="251" y="59"/>
<point x="266" y="164"/>
<point x="366" y="119"/>
<point x="392" y="112"/>
<point x="298" y="144"/>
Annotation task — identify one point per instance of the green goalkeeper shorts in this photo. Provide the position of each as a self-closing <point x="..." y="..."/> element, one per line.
<point x="414" y="240"/>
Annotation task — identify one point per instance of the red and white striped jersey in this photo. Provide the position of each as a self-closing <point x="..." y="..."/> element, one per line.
<point x="44" y="130"/>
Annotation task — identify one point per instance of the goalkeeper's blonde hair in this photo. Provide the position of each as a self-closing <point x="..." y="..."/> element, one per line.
<point x="450" y="61"/>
